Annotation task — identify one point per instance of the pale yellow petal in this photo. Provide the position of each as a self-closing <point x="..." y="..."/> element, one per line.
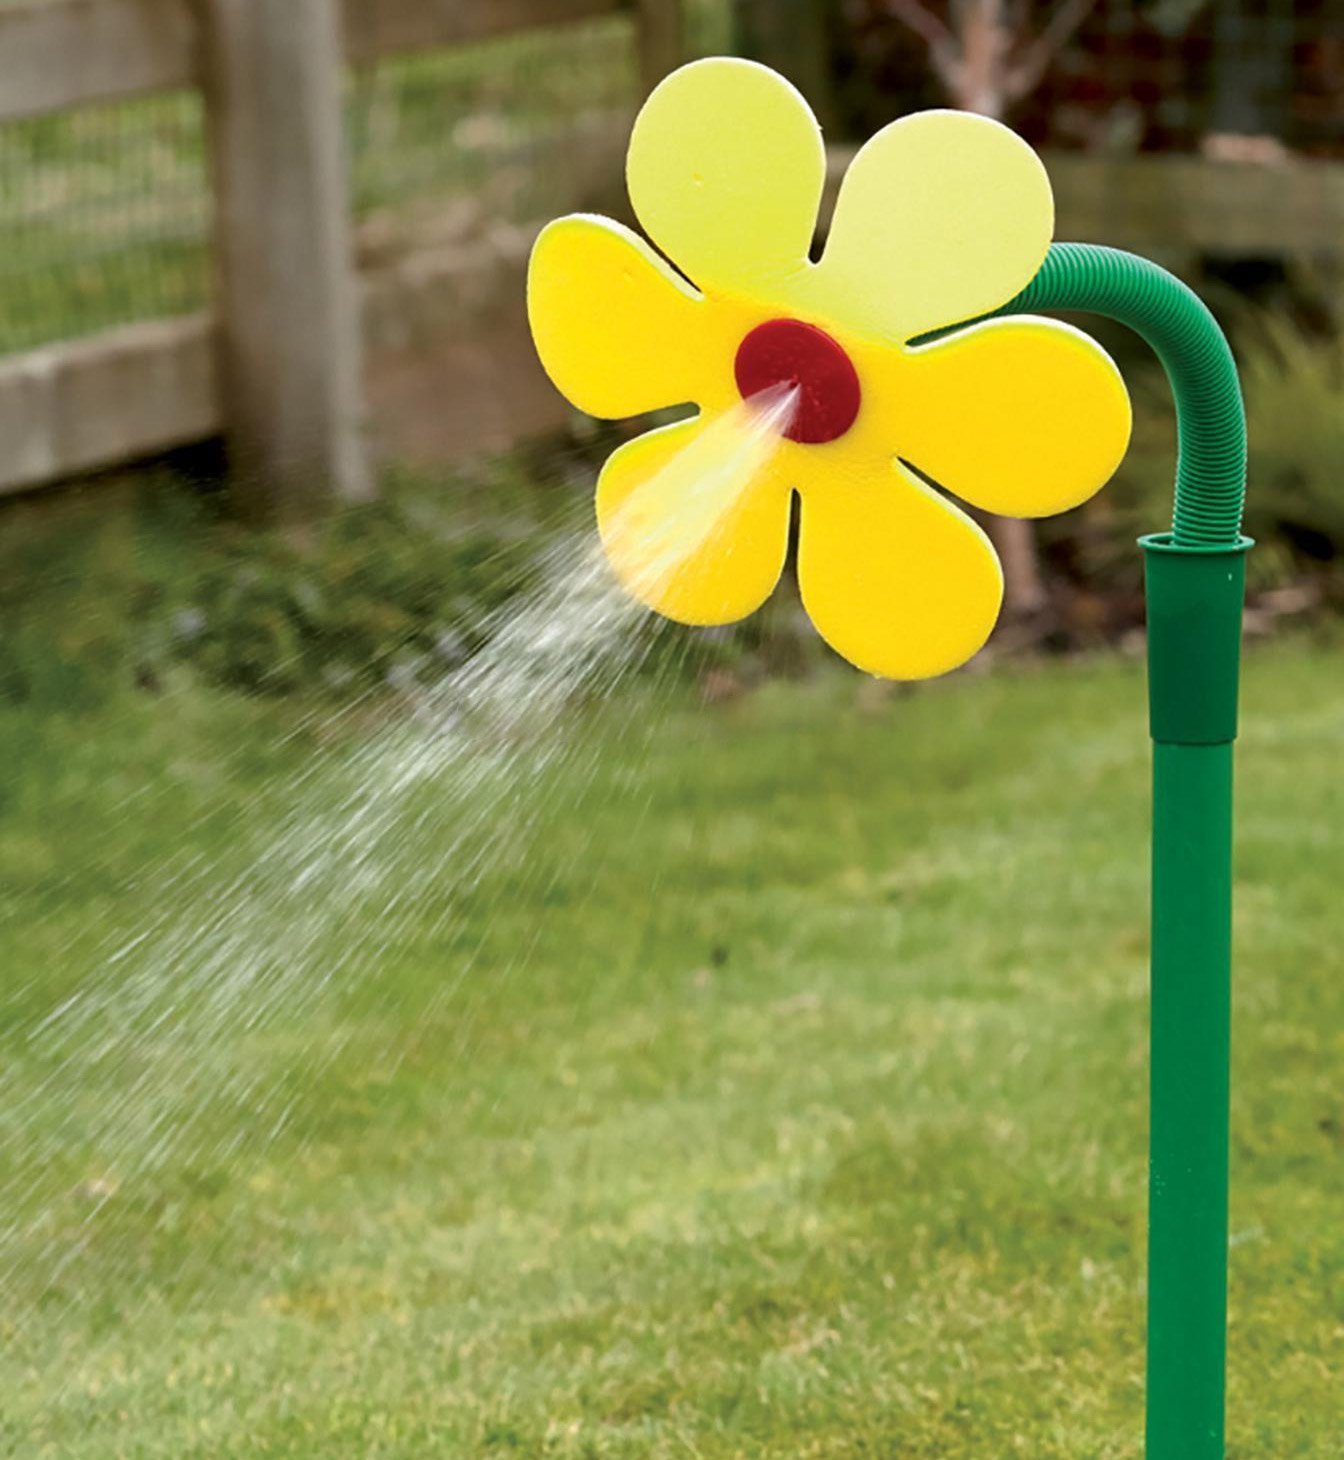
<point x="896" y="579"/>
<point x="616" y="329"/>
<point x="725" y="170"/>
<point x="942" y="216"/>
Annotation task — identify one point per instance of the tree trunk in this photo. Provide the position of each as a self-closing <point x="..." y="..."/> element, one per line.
<point x="794" y="37"/>
<point x="978" y="84"/>
<point x="1024" y="594"/>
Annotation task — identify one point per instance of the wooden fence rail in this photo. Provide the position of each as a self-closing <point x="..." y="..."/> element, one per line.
<point x="276" y="366"/>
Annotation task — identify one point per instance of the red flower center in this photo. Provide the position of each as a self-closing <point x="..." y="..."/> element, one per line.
<point x="789" y="352"/>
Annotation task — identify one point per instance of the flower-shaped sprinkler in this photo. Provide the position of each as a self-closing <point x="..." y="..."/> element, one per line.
<point x="897" y="370"/>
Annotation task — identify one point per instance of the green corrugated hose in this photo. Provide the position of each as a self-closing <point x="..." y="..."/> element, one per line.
<point x="1211" y="467"/>
<point x="1195" y="578"/>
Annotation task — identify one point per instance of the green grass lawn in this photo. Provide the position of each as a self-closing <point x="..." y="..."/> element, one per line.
<point x="780" y="1094"/>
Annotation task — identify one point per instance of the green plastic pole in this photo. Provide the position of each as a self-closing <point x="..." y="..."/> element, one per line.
<point x="1194" y="631"/>
<point x="1195" y="583"/>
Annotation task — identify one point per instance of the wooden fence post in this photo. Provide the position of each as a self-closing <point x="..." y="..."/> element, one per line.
<point x="289" y="302"/>
<point x="662" y="39"/>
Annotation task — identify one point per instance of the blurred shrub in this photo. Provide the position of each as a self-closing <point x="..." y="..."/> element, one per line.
<point x="404" y="586"/>
<point x="1294" y="386"/>
<point x="107" y="587"/>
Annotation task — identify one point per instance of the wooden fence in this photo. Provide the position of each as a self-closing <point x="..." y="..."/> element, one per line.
<point x="277" y="365"/>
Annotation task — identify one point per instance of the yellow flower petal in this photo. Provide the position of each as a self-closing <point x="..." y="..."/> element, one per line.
<point x="941" y="217"/>
<point x="897" y="580"/>
<point x="725" y="170"/>
<point x="1020" y="416"/>
<point x="695" y="521"/>
<point x="616" y="329"/>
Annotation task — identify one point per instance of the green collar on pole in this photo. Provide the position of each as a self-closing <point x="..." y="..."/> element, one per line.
<point x="1194" y="639"/>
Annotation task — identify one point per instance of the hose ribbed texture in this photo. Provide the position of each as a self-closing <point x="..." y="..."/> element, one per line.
<point x="1211" y="420"/>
